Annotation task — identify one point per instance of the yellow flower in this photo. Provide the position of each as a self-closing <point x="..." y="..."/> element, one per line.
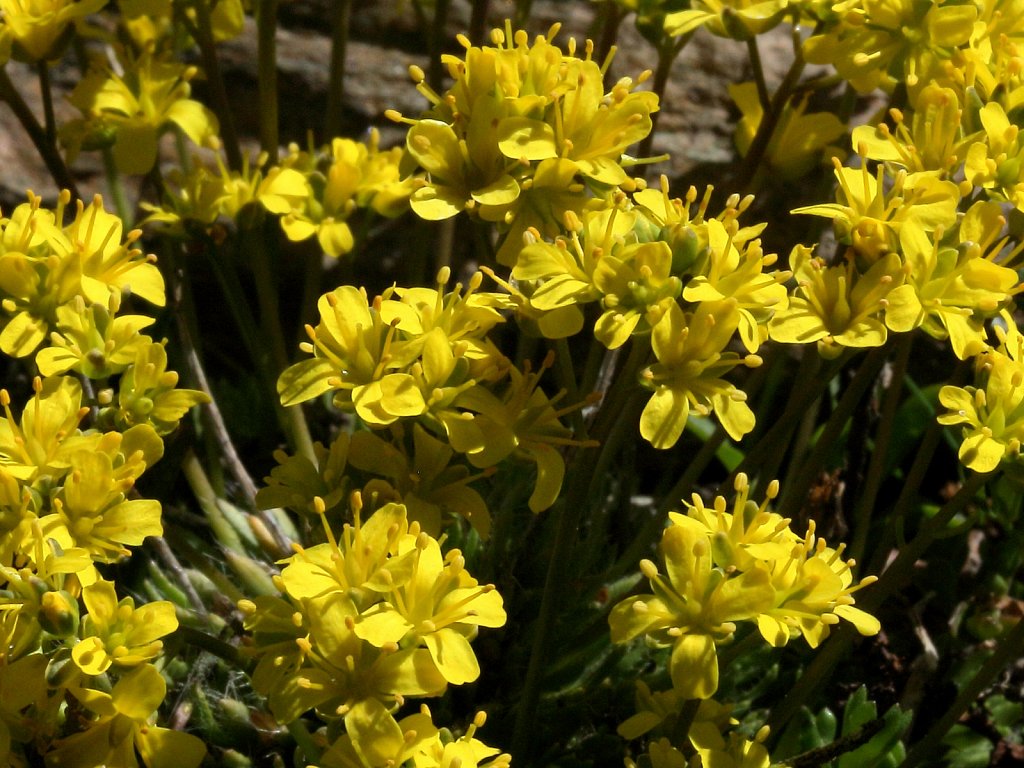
<point x="117" y="633"/>
<point x="932" y="143"/>
<point x="354" y="351"/>
<point x="93" y="341"/>
<point x="39" y="28"/>
<point x="523" y="125"/>
<point x="129" y="113"/>
<point x="998" y="162"/>
<point x="880" y="42"/>
<point x="147" y="393"/>
<point x="694" y="607"/>
<point x="950" y="291"/>
<point x="439" y="605"/>
<point x="738" y="19"/>
<point x="871" y="212"/>
<point x="47" y="435"/>
<point x="94" y="511"/>
<point x="838" y="307"/>
<point x="992" y="410"/>
<point x="692" y="357"/>
<point x="123" y="729"/>
<point x="523" y="422"/>
<point x="357" y="174"/>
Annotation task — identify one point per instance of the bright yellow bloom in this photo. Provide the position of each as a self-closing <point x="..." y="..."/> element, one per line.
<point x="871" y="212"/>
<point x="129" y="113"/>
<point x="117" y="633"/>
<point x="123" y="729"/>
<point x="738" y="19"/>
<point x="93" y="341"/>
<point x="523" y="124"/>
<point x="357" y="175"/>
<point x="692" y="357"/>
<point x="438" y="605"/>
<point x="837" y="307"/>
<point x="932" y="143"/>
<point x="950" y="291"/>
<point x="695" y="607"/>
<point x="39" y="29"/>
<point x="881" y="42"/>
<point x="992" y="410"/>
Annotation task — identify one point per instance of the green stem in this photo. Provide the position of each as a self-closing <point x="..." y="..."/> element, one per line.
<point x="609" y="19"/>
<point x="880" y="451"/>
<point x="679" y="733"/>
<point x="1010" y="649"/>
<point x="51" y="157"/>
<point x="336" y="84"/>
<point x="198" y="481"/>
<point x="794" y="496"/>
<point x="116" y="187"/>
<point x="895" y="576"/>
<point x="305" y="740"/>
<point x="266" y="74"/>
<point x="569" y="516"/>
<point x="435" y="70"/>
<point x="809" y="382"/>
<point x="202" y="32"/>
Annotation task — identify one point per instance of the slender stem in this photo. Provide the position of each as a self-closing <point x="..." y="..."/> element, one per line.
<point x="435" y="71"/>
<point x="478" y="22"/>
<point x="186" y="321"/>
<point x="569" y="515"/>
<point x="522" y="12"/>
<point x="270" y="313"/>
<point x="202" y="32"/>
<point x="758" y="68"/>
<point x="166" y="554"/>
<point x="809" y="383"/>
<point x="198" y="481"/>
<point x="266" y="57"/>
<point x="679" y="733"/>
<point x="1010" y="648"/>
<point x="336" y="84"/>
<point x="880" y="452"/>
<point x="46" y="90"/>
<point x="305" y="740"/>
<point x="609" y="20"/>
<point x="51" y="157"/>
<point x="763" y="137"/>
<point x="794" y="495"/>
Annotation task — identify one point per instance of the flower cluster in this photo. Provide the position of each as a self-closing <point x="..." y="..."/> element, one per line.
<point x="69" y="464"/>
<point x="424" y="354"/>
<point x="722" y="568"/>
<point x="315" y="194"/>
<point x="719" y="569"/>
<point x="522" y="132"/>
<point x="365" y="621"/>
